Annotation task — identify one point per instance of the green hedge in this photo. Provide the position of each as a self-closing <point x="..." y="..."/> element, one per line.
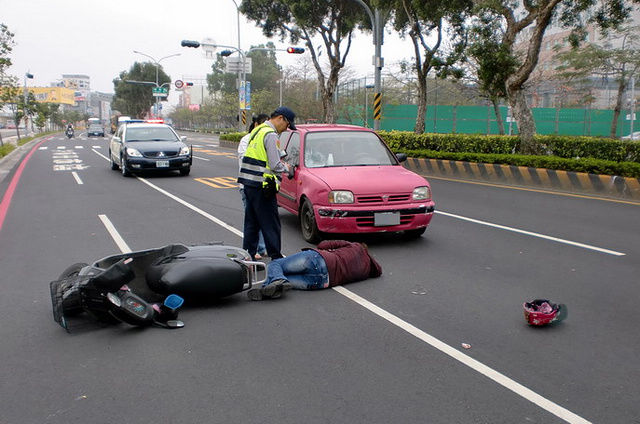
<point x="236" y="136"/>
<point x="569" y="147"/>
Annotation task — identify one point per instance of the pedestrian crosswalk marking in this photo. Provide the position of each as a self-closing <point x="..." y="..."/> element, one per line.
<point x="219" y="182"/>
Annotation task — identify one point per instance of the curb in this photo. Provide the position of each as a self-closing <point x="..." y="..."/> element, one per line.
<point x="229" y="144"/>
<point x="606" y="185"/>
<point x="8" y="162"/>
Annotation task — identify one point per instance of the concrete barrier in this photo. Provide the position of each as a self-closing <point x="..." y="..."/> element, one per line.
<point x="580" y="182"/>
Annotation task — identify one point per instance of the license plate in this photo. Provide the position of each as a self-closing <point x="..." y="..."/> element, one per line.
<point x="162" y="164"/>
<point x="386" y="218"/>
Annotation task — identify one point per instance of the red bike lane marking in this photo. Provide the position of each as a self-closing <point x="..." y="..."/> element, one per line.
<point x="8" y="195"/>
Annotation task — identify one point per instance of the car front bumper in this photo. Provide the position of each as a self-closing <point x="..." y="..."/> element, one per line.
<point x="350" y="219"/>
<point x="147" y="164"/>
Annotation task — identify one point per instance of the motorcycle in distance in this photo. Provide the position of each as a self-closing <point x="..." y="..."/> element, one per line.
<point x="147" y="287"/>
<point x="69" y="132"/>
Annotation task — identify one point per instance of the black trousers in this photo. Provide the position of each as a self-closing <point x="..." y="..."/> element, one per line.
<point x="261" y="214"/>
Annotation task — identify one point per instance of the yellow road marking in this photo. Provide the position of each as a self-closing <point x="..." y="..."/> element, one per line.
<point x="605" y="199"/>
<point x="219" y="182"/>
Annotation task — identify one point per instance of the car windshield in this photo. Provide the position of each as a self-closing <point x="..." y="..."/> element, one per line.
<point x="345" y="148"/>
<point x="95" y="127"/>
<point x="150" y="134"/>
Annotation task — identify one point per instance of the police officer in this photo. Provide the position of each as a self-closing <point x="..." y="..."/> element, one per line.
<point x="259" y="172"/>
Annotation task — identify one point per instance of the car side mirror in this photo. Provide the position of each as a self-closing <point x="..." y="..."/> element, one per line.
<point x="183" y="138"/>
<point x="292" y="172"/>
<point x="401" y="157"/>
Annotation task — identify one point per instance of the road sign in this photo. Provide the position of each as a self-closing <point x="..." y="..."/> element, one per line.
<point x="179" y="84"/>
<point x="160" y="91"/>
<point x="233" y="64"/>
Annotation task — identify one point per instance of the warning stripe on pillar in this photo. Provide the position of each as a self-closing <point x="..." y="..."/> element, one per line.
<point x="244" y="117"/>
<point x="377" y="106"/>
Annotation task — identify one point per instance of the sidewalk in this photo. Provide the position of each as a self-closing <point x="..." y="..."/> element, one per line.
<point x="9" y="161"/>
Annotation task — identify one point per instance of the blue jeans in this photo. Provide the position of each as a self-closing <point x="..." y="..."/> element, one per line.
<point x="305" y="270"/>
<point x="262" y="249"/>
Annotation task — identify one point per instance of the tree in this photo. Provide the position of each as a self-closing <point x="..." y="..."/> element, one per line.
<point x="219" y="79"/>
<point x="517" y="17"/>
<point x="334" y="21"/>
<point x="6" y="46"/>
<point x="135" y="99"/>
<point x="620" y="63"/>
<point x="428" y="24"/>
<point x="491" y="62"/>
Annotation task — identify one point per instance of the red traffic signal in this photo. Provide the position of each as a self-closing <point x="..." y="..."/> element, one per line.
<point x="188" y="84"/>
<point x="295" y="50"/>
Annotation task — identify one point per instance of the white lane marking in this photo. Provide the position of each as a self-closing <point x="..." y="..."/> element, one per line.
<point x="198" y="157"/>
<point x="79" y="147"/>
<point x="97" y="147"/>
<point x="477" y="366"/>
<point x="197" y="145"/>
<point x="194" y="208"/>
<point x="530" y="233"/>
<point x="61" y="147"/>
<point x="122" y="245"/>
<point x="75" y="175"/>
<point x="187" y="204"/>
<point x="43" y="148"/>
<point x="443" y="347"/>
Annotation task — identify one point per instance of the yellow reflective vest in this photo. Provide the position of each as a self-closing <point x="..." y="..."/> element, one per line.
<point x="254" y="170"/>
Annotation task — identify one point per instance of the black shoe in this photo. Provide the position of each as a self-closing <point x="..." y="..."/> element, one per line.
<point x="275" y="290"/>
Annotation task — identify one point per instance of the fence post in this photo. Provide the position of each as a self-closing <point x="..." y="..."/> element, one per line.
<point x="557" y="120"/>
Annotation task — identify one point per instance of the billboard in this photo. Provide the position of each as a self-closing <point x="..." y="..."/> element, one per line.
<point x="53" y="95"/>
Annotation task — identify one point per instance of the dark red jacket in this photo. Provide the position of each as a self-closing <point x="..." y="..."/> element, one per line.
<point x="347" y="262"/>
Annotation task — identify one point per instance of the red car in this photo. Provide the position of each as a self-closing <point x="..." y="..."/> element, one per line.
<point x="347" y="180"/>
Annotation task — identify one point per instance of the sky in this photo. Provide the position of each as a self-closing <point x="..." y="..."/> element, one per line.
<point x="97" y="38"/>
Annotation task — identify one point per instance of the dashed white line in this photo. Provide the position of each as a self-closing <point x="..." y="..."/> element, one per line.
<point x="75" y="175"/>
<point x="43" y="148"/>
<point x="198" y="157"/>
<point x="530" y="233"/>
<point x="79" y="147"/>
<point x="122" y="245"/>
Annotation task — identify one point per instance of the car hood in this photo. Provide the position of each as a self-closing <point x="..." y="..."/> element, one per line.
<point x="369" y="179"/>
<point x="155" y="146"/>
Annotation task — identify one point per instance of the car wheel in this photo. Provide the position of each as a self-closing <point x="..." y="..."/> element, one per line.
<point x="414" y="234"/>
<point x="310" y="232"/>
<point x="123" y="168"/>
<point x="185" y="172"/>
<point x="114" y="166"/>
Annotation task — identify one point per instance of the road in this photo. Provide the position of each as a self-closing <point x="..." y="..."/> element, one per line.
<point x="386" y="350"/>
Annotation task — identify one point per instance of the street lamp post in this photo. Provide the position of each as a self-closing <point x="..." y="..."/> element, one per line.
<point x="378" y="61"/>
<point x="27" y="75"/>
<point x="157" y="64"/>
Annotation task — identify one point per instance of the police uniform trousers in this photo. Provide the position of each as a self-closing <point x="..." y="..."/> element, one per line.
<point x="261" y="213"/>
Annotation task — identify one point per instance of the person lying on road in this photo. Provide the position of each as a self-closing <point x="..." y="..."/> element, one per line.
<point x="332" y="263"/>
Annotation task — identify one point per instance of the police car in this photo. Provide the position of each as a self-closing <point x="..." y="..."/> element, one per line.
<point x="139" y="146"/>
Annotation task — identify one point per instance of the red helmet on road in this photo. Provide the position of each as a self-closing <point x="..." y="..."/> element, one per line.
<point x="542" y="312"/>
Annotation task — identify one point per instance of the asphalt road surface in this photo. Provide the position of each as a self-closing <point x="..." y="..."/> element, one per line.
<point x="386" y="350"/>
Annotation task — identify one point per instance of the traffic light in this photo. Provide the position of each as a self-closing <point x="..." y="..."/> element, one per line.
<point x="295" y="50"/>
<point x="225" y="53"/>
<point x="190" y="43"/>
<point x="188" y="84"/>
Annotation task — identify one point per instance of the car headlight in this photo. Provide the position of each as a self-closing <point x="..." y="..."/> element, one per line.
<point x="131" y="152"/>
<point x="421" y="193"/>
<point x="340" y="196"/>
<point x="184" y="151"/>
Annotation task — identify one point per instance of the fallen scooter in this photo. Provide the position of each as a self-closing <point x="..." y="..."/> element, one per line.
<point x="148" y="287"/>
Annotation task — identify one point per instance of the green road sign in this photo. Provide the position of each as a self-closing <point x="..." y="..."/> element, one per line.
<point x="160" y="91"/>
